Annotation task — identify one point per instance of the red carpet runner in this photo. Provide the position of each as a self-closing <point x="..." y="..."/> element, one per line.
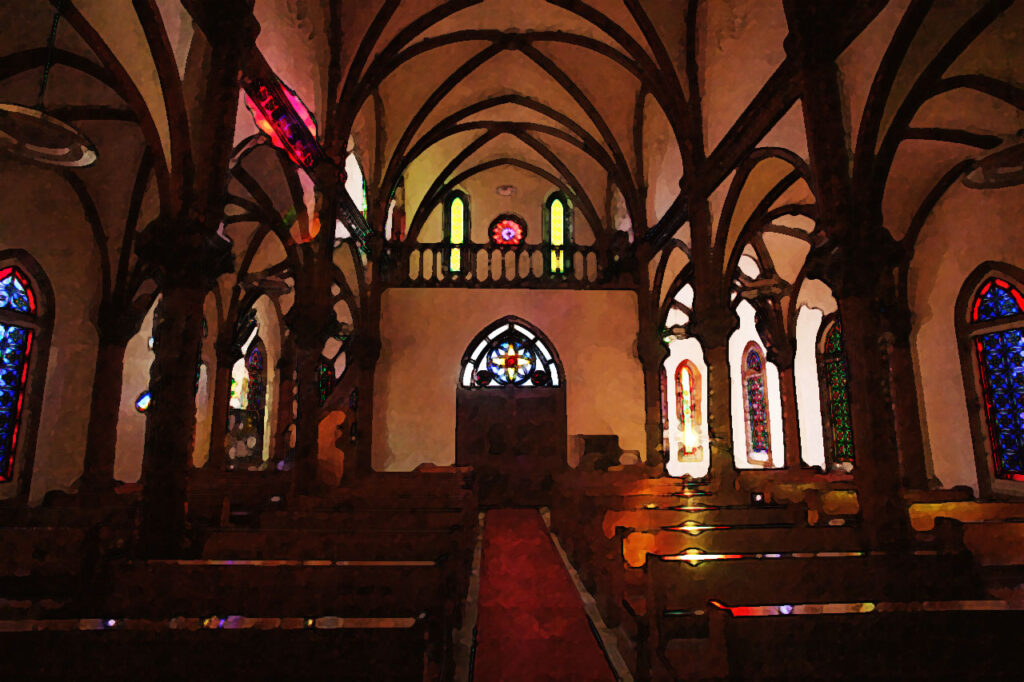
<point x="531" y="625"/>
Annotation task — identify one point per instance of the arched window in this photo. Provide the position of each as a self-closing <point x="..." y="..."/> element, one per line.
<point x="510" y="354"/>
<point x="558" y="233"/>
<point x="25" y="315"/>
<point x="994" y="334"/>
<point x="246" y="412"/>
<point x="755" y="406"/>
<point x="456" y="229"/>
<point x="324" y="380"/>
<point x="688" y="411"/>
<point x="834" y="373"/>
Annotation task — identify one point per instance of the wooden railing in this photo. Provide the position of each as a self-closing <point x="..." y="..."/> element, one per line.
<point x="427" y="265"/>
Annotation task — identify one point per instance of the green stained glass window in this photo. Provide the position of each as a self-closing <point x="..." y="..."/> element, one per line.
<point x="837" y="388"/>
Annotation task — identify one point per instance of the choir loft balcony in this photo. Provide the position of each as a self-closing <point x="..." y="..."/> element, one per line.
<point x="536" y="266"/>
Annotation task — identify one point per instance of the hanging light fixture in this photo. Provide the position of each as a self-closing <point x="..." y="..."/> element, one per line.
<point x="1002" y="167"/>
<point x="30" y="133"/>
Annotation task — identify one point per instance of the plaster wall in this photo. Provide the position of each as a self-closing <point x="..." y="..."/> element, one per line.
<point x="425" y="332"/>
<point x="43" y="217"/>
<point x="967" y="228"/>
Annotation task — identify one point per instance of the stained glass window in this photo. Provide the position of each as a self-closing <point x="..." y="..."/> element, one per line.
<point x="558" y="233"/>
<point x="16" y="296"/>
<point x="508" y="230"/>
<point x="456" y="228"/>
<point x="509" y="354"/>
<point x="759" y="448"/>
<point x="688" y="410"/>
<point x="837" y="392"/>
<point x="324" y="380"/>
<point x="1000" y="357"/>
<point x="246" y="413"/>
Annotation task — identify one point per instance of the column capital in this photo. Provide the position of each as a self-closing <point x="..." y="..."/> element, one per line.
<point x="185" y="252"/>
<point x="713" y="328"/>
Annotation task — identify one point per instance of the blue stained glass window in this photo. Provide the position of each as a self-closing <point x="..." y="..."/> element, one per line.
<point x="15" y="345"/>
<point x="1001" y="358"/>
<point x="508" y="354"/>
<point x="997" y="299"/>
<point x="15" y="292"/>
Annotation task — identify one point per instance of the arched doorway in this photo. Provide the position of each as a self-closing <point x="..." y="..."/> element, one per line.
<point x="510" y="413"/>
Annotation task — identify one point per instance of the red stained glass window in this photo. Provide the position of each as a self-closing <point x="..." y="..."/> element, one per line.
<point x="15" y="347"/>
<point x="508" y="231"/>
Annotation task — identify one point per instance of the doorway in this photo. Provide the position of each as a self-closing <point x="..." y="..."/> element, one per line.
<point x="510" y="414"/>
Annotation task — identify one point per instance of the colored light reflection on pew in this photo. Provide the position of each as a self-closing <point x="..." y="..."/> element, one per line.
<point x="233" y="622"/>
<point x="865" y="607"/>
<point x="694" y="556"/>
<point x="694" y="528"/>
<point x="284" y="562"/>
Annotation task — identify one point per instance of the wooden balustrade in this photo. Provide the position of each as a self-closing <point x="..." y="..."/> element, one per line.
<point x="427" y="265"/>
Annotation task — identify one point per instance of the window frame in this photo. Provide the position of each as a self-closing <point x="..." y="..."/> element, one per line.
<point x="685" y="453"/>
<point x="567" y="247"/>
<point x="828" y="422"/>
<point x="446" y="224"/>
<point x="967" y="332"/>
<point x="41" y="325"/>
<point x="745" y="375"/>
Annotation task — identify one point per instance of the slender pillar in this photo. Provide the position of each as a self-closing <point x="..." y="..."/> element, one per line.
<point x="285" y="400"/>
<point x="713" y="331"/>
<point x="877" y="472"/>
<point x="790" y="417"/>
<point x="104" y="411"/>
<point x="226" y="358"/>
<point x="906" y="412"/>
<point x="652" y="354"/>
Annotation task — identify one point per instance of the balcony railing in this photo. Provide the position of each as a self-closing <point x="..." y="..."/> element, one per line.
<point x="487" y="265"/>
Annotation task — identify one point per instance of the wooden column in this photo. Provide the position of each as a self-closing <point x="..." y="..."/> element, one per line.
<point x="790" y="416"/>
<point x="312" y="321"/>
<point x="226" y="359"/>
<point x="188" y="255"/>
<point x="713" y="331"/>
<point x="906" y="411"/>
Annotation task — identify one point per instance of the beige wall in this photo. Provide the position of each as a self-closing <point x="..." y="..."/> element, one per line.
<point x="426" y="331"/>
<point x="42" y="216"/>
<point x="967" y="228"/>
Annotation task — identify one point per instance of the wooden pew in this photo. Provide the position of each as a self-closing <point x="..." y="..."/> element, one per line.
<point x="675" y="605"/>
<point x="42" y="563"/>
<point x="285" y="589"/>
<point x="362" y="650"/>
<point x="936" y="640"/>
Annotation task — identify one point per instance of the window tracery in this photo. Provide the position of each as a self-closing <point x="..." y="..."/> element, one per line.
<point x="510" y="355"/>
<point x="17" y="311"/>
<point x="996" y="333"/>
<point x="755" y="407"/>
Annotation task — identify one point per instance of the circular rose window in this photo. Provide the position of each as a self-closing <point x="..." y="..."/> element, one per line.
<point x="508" y="231"/>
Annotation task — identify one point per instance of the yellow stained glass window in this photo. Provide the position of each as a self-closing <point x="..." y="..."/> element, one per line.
<point x="456" y="233"/>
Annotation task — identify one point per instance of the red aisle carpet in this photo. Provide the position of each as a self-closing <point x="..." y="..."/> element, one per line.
<point x="531" y="625"/>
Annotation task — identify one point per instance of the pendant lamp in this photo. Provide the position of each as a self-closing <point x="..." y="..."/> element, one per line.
<point x="31" y="134"/>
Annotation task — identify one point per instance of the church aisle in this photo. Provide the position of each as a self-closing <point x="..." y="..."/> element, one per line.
<point x="531" y="626"/>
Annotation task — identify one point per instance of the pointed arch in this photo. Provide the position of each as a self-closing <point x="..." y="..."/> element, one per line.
<point x="990" y="327"/>
<point x="558" y="233"/>
<point x="26" y="323"/>
<point x="835" y="395"/>
<point x="511" y="352"/>
<point x="456" y="226"/>
<point x="755" y="406"/>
